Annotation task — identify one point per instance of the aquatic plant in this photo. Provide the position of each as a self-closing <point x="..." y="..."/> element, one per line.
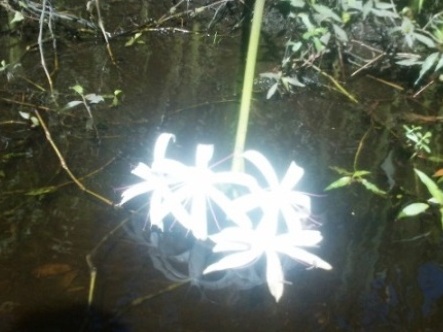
<point x="416" y="208"/>
<point x="227" y="211"/>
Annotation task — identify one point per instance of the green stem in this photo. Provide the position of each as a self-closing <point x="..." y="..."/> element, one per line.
<point x="242" y="125"/>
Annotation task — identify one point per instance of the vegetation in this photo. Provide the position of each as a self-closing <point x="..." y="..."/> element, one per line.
<point x="238" y="218"/>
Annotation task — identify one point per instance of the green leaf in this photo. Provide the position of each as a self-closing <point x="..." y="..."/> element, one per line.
<point x="293" y="81"/>
<point x="78" y="88"/>
<point x="425" y="40"/>
<point x="412" y="210"/>
<point x="18" y="17"/>
<point x="41" y="191"/>
<point x="439" y="63"/>
<point x="359" y="174"/>
<point x="94" y="98"/>
<point x="427" y="65"/>
<point x="340" y="170"/>
<point x="326" y="13"/>
<point x="340" y="33"/>
<point x="342" y="182"/>
<point x="72" y="104"/>
<point x="297" y="3"/>
<point x="372" y="187"/>
<point x="433" y="189"/>
<point x="272" y="90"/>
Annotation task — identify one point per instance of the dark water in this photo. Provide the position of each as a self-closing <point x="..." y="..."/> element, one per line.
<point x="383" y="279"/>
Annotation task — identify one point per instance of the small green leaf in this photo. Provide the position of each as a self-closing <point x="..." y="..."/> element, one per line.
<point x="424" y="40"/>
<point x="72" y="104"/>
<point x="18" y="17"/>
<point x="427" y="65"/>
<point x="272" y="90"/>
<point x="41" y="191"/>
<point x="433" y="189"/>
<point x="340" y="170"/>
<point x="342" y="182"/>
<point x="326" y="12"/>
<point x="372" y="187"/>
<point x="94" y="98"/>
<point x="359" y="174"/>
<point x="412" y="210"/>
<point x="78" y="88"/>
<point x="293" y="81"/>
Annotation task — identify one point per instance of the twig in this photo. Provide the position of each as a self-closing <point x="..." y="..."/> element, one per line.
<point x="102" y="28"/>
<point x="40" y="47"/>
<point x="50" y="189"/>
<point x="65" y="166"/>
<point x="92" y="267"/>
<point x="339" y="87"/>
<point x="368" y="64"/>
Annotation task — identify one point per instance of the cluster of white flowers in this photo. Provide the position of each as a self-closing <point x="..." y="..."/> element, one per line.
<point x="189" y="193"/>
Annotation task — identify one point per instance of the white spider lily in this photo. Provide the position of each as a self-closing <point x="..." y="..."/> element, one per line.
<point x="250" y="244"/>
<point x="176" y="186"/>
<point x="279" y="196"/>
<point x="196" y="186"/>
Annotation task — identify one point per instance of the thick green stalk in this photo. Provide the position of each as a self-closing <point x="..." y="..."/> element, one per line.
<point x="242" y="125"/>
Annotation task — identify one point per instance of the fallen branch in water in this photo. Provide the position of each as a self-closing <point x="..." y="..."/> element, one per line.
<point x="65" y="166"/>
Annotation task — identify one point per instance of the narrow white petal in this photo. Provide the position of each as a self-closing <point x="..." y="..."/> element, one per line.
<point x="203" y="155"/>
<point x="293" y="219"/>
<point x="237" y="178"/>
<point x="307" y="258"/>
<point x="231" y="246"/>
<point x="263" y="165"/>
<point x="233" y="261"/>
<point x="198" y="216"/>
<point x="238" y="216"/>
<point x="143" y="171"/>
<point x="158" y="210"/>
<point x="302" y="238"/>
<point x="135" y="190"/>
<point x="173" y="168"/>
<point x="161" y="145"/>
<point x="292" y="176"/>
<point x="274" y="275"/>
<point x="299" y="201"/>
<point x="233" y="234"/>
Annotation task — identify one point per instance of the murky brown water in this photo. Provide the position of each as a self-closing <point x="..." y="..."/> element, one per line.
<point x="189" y="84"/>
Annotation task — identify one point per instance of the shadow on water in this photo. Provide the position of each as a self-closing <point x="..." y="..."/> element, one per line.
<point x="386" y="276"/>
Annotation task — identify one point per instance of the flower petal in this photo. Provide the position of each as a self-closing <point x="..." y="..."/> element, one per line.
<point x="135" y="190"/>
<point x="142" y="171"/>
<point x="307" y="258"/>
<point x="161" y="145"/>
<point x="233" y="261"/>
<point x="292" y="176"/>
<point x="303" y="238"/>
<point x="263" y="165"/>
<point x="203" y="155"/>
<point x="274" y="275"/>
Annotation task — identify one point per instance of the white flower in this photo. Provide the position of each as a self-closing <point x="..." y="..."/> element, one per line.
<point x="250" y="244"/>
<point x="184" y="191"/>
<point x="279" y="197"/>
